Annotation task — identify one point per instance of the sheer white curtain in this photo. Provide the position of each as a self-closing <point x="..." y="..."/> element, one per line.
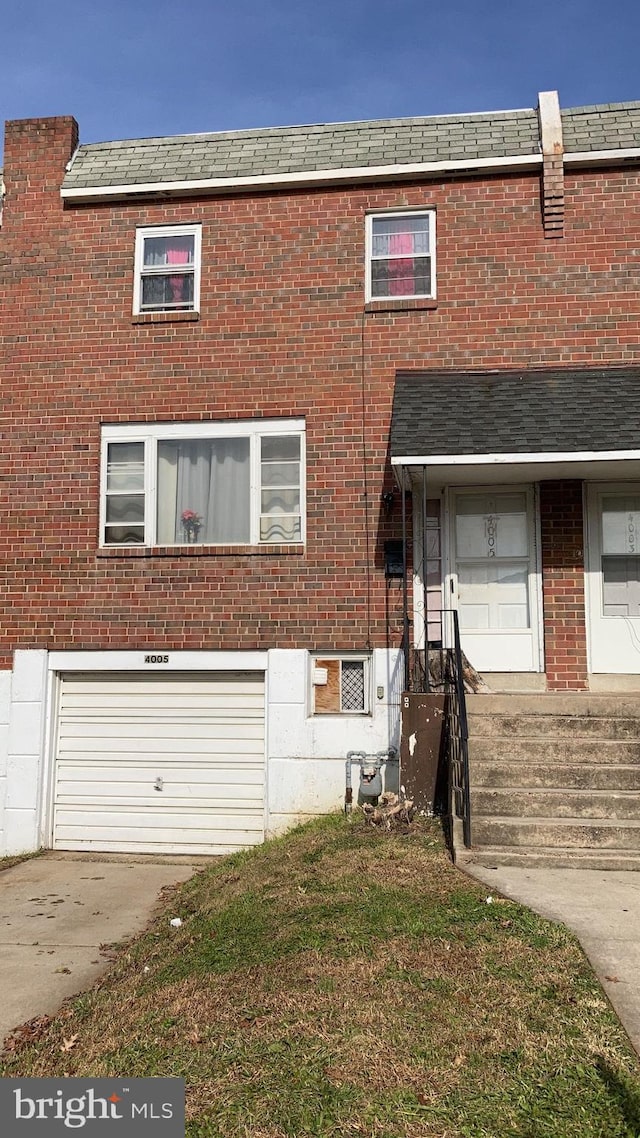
<point x="211" y="479"/>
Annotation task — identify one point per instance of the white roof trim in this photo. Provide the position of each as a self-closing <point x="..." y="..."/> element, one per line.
<point x="506" y="459"/>
<point x="596" y="156"/>
<point x="304" y="177"/>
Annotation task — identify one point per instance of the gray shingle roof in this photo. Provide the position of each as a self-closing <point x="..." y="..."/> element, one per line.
<point x="282" y="150"/>
<point x="334" y="146"/>
<point x="611" y="126"/>
<point x="515" y="412"/>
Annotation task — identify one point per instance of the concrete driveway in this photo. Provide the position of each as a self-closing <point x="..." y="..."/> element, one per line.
<point x="56" y="911"/>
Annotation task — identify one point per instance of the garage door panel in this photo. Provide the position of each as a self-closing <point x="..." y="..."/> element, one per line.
<point x="140" y="742"/>
<point x="94" y="693"/>
<point x="223" y="845"/>
<point x="127" y="774"/>
<point x="202" y="734"/>
<point x="143" y="794"/>
<point x="134" y="824"/>
<point x="133" y="707"/>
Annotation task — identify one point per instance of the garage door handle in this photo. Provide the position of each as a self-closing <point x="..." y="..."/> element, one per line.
<point x="158" y="785"/>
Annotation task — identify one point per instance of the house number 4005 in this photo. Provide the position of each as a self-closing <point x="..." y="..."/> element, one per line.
<point x="156" y="659"/>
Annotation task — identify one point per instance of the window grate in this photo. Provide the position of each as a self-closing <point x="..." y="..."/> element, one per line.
<point x="352" y="685"/>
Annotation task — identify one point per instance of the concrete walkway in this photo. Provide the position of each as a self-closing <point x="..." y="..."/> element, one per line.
<point x="603" y="910"/>
<point x="58" y="913"/>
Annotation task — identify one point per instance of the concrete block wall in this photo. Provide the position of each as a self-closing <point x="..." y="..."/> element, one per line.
<point x="26" y="718"/>
<point x="306" y="753"/>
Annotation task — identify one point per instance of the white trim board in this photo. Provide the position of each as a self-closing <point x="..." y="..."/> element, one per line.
<point x="345" y="174"/>
<point x="524" y="456"/>
<point x="176" y="661"/>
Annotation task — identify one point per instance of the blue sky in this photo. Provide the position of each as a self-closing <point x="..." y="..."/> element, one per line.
<point x="133" y="68"/>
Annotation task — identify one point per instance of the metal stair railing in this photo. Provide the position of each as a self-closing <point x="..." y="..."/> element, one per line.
<point x="444" y="659"/>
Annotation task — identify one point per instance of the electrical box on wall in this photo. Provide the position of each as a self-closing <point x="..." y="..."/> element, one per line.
<point x="393" y="559"/>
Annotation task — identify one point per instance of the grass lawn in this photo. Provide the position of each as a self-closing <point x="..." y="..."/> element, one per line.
<point x="344" y="982"/>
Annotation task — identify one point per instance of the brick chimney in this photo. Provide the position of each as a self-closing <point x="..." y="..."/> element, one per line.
<point x="36" y="153"/>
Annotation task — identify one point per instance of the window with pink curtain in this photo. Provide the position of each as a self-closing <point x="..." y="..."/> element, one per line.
<point x="167" y="267"/>
<point x="401" y="261"/>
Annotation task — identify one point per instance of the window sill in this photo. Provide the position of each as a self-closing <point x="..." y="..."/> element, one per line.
<point x="165" y="318"/>
<point x="127" y="551"/>
<point x="409" y="305"/>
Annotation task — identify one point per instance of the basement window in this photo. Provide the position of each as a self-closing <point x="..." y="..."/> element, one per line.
<point x="340" y="685"/>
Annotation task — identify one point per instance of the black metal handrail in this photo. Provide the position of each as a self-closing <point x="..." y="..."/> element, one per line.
<point x="458" y="733"/>
<point x="440" y="668"/>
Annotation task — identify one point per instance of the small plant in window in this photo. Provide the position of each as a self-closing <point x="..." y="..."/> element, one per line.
<point x="191" y="524"/>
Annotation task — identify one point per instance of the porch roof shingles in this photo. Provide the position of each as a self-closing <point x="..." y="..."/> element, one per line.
<point x="551" y="411"/>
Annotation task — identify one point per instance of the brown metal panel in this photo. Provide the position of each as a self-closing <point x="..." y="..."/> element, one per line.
<point x="421" y="749"/>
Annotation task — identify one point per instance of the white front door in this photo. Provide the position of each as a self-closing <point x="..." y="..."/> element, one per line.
<point x="495" y="582"/>
<point x="614" y="578"/>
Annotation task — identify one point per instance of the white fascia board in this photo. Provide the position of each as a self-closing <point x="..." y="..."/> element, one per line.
<point x="305" y="177"/>
<point x="596" y="157"/>
<point x="506" y="459"/>
<point x="175" y="661"/>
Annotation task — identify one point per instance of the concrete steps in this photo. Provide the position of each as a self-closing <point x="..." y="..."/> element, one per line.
<point x="555" y="780"/>
<point x="522" y="802"/>
<point x="556" y="776"/>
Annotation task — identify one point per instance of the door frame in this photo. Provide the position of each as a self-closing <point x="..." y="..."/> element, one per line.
<point x="593" y="493"/>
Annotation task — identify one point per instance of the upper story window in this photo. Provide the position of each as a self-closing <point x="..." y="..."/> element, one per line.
<point x="203" y="483"/>
<point x="167" y="269"/>
<point x="401" y="255"/>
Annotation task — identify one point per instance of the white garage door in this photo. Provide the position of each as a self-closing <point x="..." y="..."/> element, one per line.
<point x="165" y="763"/>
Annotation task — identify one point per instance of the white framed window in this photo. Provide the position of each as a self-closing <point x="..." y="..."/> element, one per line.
<point x="340" y="684"/>
<point x="240" y="483"/>
<point x="167" y="269"/>
<point x="401" y="255"/>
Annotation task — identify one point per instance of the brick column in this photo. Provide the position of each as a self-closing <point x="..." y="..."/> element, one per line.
<point x="565" y="632"/>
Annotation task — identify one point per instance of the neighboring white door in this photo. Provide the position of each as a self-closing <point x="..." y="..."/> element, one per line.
<point x="160" y="764"/>
<point x="495" y="579"/>
<point x="614" y="578"/>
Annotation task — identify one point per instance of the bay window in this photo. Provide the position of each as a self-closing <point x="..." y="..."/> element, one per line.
<point x="203" y="483"/>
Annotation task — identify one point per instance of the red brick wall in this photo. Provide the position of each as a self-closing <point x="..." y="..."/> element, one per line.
<point x="562" y="539"/>
<point x="282" y="332"/>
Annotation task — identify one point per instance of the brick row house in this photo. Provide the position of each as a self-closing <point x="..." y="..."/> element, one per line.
<point x="237" y="367"/>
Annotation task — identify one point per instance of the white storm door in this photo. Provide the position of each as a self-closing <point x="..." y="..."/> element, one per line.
<point x="495" y="581"/>
<point x="614" y="579"/>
